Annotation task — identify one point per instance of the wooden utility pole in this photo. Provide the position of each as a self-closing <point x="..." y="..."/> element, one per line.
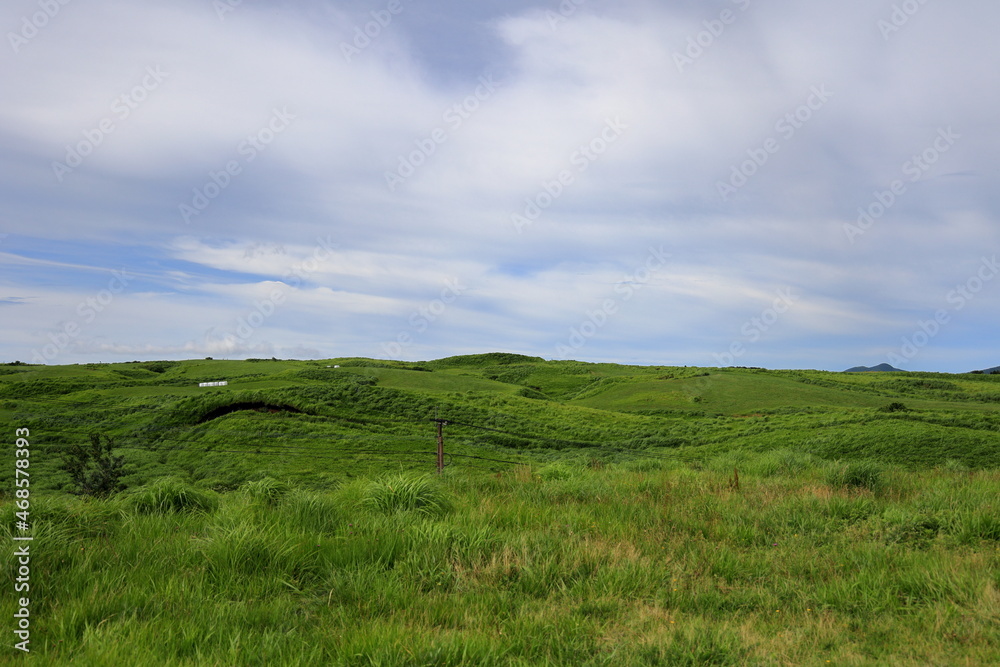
<point x="440" y="427"/>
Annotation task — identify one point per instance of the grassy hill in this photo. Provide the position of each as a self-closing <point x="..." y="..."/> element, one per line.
<point x="517" y="408"/>
<point x="589" y="514"/>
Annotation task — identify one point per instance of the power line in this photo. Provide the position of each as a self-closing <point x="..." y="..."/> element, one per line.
<point x="274" y="448"/>
<point x="575" y="443"/>
<point x="483" y="458"/>
<point x="383" y="456"/>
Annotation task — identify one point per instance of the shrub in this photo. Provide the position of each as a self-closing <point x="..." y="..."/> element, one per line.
<point x="401" y="493"/>
<point x="95" y="470"/>
<point x="159" y="366"/>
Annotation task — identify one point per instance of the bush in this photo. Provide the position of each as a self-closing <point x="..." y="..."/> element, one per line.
<point x="95" y="470"/>
<point x="401" y="493"/>
<point x="170" y="494"/>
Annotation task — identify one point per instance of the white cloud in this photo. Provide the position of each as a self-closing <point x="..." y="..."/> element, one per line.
<point x="323" y="177"/>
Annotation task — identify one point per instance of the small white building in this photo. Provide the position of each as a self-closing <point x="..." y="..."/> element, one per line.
<point x="223" y="383"/>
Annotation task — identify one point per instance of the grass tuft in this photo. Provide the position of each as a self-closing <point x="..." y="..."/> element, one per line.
<point x="868" y="475"/>
<point x="170" y="494"/>
<point x="267" y="490"/>
<point x="403" y="493"/>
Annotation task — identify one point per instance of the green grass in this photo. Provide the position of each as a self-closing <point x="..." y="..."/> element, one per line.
<point x="406" y="493"/>
<point x="590" y="514"/>
<point x="536" y="410"/>
<point x="727" y="393"/>
<point x="604" y="566"/>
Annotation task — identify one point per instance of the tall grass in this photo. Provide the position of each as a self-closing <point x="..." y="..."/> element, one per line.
<point x="868" y="475"/>
<point x="417" y="493"/>
<point x="170" y="494"/>
<point x="618" y="565"/>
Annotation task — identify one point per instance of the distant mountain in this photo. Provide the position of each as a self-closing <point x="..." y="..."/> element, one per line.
<point x="881" y="368"/>
<point x="989" y="371"/>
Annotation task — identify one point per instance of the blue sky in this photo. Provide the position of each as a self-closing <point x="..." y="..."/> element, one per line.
<point x="693" y="183"/>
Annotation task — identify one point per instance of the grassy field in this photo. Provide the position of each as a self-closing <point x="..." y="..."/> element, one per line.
<point x="590" y="514"/>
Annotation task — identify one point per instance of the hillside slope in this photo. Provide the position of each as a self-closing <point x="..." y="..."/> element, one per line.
<point x="323" y="421"/>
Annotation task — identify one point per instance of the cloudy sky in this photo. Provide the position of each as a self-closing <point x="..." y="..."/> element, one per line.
<point x="712" y="183"/>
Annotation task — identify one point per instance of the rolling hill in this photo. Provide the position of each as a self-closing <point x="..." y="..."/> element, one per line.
<point x="587" y="514"/>
<point x="379" y="414"/>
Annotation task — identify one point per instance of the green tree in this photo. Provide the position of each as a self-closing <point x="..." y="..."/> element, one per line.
<point x="95" y="470"/>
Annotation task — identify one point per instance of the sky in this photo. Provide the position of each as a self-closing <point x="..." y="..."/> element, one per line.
<point x="703" y="183"/>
